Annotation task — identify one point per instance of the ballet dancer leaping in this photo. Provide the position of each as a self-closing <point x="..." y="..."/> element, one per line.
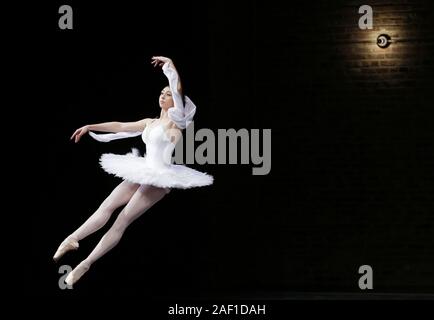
<point x="146" y="179"/>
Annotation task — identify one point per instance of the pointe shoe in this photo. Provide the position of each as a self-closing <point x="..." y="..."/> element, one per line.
<point x="67" y="245"/>
<point x="77" y="273"/>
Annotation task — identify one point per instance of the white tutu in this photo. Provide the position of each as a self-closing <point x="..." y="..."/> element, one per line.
<point x="155" y="167"/>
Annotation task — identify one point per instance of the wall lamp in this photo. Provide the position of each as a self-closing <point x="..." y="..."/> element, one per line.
<point x="384" y="40"/>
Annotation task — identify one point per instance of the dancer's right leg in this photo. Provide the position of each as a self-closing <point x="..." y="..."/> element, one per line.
<point x="117" y="198"/>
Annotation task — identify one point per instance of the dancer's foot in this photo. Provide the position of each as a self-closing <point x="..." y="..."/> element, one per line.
<point x="67" y="245"/>
<point x="77" y="273"/>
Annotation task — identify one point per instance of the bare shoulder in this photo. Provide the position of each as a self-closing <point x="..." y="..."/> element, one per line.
<point x="148" y="121"/>
<point x="136" y="125"/>
<point x="145" y="122"/>
<point x="174" y="133"/>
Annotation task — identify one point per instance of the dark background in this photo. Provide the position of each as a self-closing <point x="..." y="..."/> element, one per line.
<point x="352" y="174"/>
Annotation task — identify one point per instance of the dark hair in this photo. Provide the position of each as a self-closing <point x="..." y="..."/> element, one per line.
<point x="182" y="94"/>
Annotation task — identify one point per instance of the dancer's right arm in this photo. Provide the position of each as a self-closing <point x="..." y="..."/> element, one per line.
<point x="111" y="127"/>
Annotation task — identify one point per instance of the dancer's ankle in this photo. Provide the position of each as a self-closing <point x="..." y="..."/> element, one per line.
<point x="72" y="237"/>
<point x="86" y="263"/>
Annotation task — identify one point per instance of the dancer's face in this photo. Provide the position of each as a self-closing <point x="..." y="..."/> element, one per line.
<point x="166" y="100"/>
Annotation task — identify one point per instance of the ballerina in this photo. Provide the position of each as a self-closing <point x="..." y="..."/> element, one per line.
<point x="146" y="179"/>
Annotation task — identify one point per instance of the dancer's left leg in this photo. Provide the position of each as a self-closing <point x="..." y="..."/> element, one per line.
<point x="144" y="198"/>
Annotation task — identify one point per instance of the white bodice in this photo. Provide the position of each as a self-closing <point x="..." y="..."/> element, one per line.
<point x="159" y="147"/>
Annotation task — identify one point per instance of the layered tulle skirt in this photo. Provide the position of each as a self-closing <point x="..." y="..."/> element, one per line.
<point x="137" y="169"/>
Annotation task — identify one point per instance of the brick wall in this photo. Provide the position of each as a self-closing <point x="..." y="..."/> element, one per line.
<point x="352" y="181"/>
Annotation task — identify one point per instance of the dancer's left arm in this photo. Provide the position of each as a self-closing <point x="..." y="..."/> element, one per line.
<point x="182" y="115"/>
<point x="175" y="85"/>
<point x="171" y="73"/>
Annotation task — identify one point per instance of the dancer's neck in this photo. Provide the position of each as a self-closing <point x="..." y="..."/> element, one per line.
<point x="164" y="115"/>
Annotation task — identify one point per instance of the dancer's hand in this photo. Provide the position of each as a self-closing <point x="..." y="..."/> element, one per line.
<point x="160" y="61"/>
<point x="79" y="133"/>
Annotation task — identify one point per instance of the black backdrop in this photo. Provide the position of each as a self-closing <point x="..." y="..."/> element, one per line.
<point x="351" y="179"/>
